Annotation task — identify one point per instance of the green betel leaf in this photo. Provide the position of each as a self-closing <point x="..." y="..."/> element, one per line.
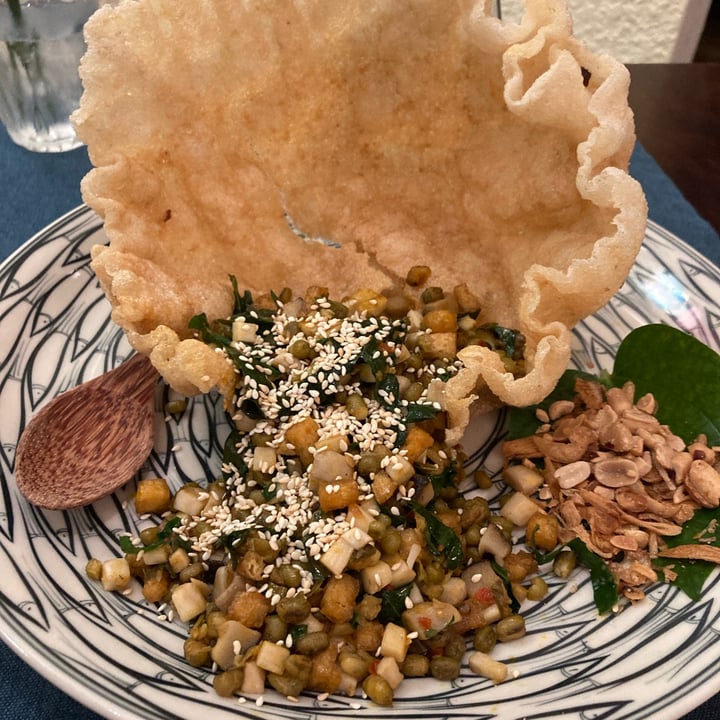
<point x="605" y="592"/>
<point x="522" y="421"/>
<point x="681" y="372"/>
<point x="690" y="575"/>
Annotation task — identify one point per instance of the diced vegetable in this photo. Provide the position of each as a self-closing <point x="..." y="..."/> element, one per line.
<point x="152" y="496"/>
<point x="482" y="664"/>
<point x="189" y="601"/>
<point x="272" y="657"/>
<point x="395" y="643"/>
<point x="115" y="574"/>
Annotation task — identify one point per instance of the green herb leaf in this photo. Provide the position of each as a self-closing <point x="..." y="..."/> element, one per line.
<point x="416" y="412"/>
<point x="691" y="575"/>
<point x="166" y="533"/>
<point x="127" y="545"/>
<point x="372" y="355"/>
<point x="387" y="391"/>
<point x="393" y="604"/>
<point x="240" y="302"/>
<point x="501" y="572"/>
<point x="208" y="335"/>
<point x="680" y="371"/>
<point x="298" y="631"/>
<point x="507" y="339"/>
<point x="441" y="540"/>
<point x="252" y="409"/>
<point x="605" y="592"/>
<point x="443" y="480"/>
<point x="231" y="456"/>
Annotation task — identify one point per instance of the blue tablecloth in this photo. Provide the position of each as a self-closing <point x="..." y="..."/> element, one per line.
<point x="36" y="189"/>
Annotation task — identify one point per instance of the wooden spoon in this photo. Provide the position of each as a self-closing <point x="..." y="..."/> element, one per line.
<point x="90" y="440"/>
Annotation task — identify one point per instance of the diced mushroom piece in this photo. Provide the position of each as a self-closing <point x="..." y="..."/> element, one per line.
<point x="272" y="657"/>
<point x="395" y="642"/>
<point x="226" y="586"/>
<point x="454" y="591"/>
<point x="337" y="556"/>
<point x="190" y="599"/>
<point x="376" y="577"/>
<point x="232" y="636"/>
<point x="493" y="542"/>
<point x="389" y="670"/>
<point x="253" y="679"/>
<point x="115" y="574"/>
<point x="330" y="466"/>
<point x="481" y="575"/>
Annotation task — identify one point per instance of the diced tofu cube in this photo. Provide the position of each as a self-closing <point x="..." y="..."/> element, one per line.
<point x="152" y="496"/>
<point x="337" y="494"/>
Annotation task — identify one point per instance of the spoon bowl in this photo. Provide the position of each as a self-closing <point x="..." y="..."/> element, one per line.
<point x="90" y="440"/>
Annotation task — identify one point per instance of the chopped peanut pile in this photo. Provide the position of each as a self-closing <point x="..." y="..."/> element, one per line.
<point x="617" y="479"/>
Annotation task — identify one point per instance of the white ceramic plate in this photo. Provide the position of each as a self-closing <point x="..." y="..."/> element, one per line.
<point x="658" y="659"/>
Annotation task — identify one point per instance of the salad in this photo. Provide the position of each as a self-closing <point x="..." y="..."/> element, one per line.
<point x="337" y="553"/>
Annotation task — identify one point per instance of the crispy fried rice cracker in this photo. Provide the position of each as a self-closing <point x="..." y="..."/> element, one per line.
<point x="225" y="133"/>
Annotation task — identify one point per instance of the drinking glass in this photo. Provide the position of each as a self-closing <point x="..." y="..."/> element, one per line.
<point x="41" y="43"/>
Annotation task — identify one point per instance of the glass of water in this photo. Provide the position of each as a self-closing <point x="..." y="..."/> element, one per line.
<point x="41" y="43"/>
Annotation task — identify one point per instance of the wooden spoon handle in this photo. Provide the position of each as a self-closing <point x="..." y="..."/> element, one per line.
<point x="135" y="379"/>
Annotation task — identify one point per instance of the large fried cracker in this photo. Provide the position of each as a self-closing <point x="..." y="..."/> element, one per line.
<point x="405" y="131"/>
